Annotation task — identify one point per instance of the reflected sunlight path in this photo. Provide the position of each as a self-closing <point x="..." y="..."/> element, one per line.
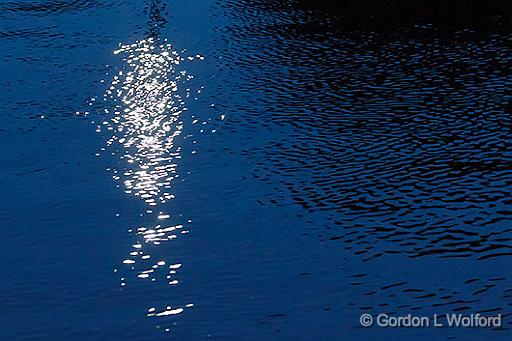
<point x="145" y="100"/>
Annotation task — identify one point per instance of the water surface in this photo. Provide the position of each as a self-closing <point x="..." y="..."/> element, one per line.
<point x="249" y="170"/>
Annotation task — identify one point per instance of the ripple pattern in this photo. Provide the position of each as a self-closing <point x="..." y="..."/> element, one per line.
<point x="397" y="141"/>
<point x="407" y="140"/>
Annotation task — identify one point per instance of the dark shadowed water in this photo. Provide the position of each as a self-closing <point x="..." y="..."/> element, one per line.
<point x="250" y="170"/>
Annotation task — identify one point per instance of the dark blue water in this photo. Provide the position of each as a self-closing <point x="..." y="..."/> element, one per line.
<point x="249" y="171"/>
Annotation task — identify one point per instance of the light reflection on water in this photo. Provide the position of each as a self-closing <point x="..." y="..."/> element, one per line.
<point x="146" y="100"/>
<point x="147" y="120"/>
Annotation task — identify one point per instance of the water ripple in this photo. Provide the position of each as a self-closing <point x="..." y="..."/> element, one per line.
<point x="400" y="140"/>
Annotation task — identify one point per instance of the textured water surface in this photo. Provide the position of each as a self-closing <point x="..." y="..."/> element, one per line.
<point x="242" y="170"/>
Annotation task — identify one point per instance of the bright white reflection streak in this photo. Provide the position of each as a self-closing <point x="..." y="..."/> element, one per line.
<point x="148" y="119"/>
<point x="148" y="101"/>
